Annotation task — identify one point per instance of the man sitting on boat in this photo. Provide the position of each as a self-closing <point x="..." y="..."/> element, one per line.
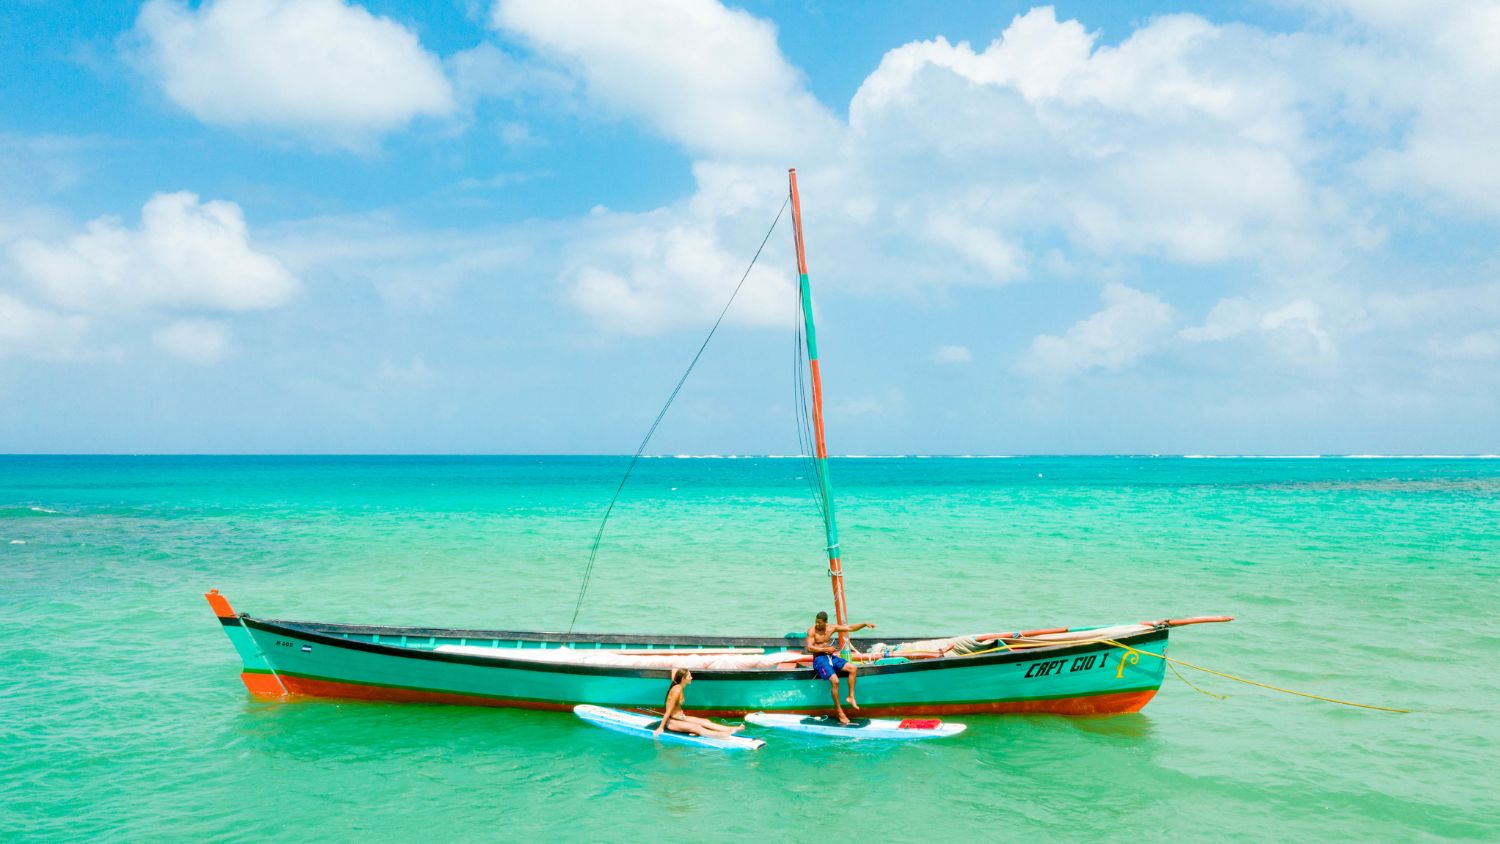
<point x="827" y="662"/>
<point x="674" y="719"/>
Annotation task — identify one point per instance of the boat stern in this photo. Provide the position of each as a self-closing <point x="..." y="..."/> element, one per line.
<point x="257" y="674"/>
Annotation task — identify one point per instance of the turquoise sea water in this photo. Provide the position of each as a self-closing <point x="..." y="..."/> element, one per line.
<point x="122" y="716"/>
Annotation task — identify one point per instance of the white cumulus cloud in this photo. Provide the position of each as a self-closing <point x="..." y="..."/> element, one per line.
<point x="34" y="332"/>
<point x="185" y="255"/>
<point x="1042" y="153"/>
<point x="1296" y="330"/>
<point x="1185" y="141"/>
<point x="645" y="279"/>
<point x="1131" y="324"/>
<point x="952" y="355"/>
<point x="1229" y="318"/>
<point x="199" y="341"/>
<point x="1477" y="345"/>
<point x="324" y="69"/>
<point x="1438" y="74"/>
<point x="709" y="77"/>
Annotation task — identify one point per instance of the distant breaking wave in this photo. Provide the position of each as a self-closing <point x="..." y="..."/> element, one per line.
<point x="1254" y="456"/>
<point x="1422" y="456"/>
<point x="26" y="512"/>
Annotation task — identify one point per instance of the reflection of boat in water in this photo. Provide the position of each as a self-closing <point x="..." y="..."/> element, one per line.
<point x="1075" y="672"/>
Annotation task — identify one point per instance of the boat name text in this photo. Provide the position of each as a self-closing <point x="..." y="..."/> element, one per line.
<point x="1058" y="666"/>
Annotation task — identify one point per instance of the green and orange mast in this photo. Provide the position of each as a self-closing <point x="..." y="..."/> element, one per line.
<point x="825" y="485"/>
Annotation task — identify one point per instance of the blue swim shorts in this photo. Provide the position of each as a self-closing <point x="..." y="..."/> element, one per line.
<point x="827" y="665"/>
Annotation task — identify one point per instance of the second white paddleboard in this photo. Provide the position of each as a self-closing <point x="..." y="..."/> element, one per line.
<point x="858" y="728"/>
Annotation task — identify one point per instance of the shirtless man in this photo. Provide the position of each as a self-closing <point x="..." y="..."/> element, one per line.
<point x="674" y="719"/>
<point x="826" y="661"/>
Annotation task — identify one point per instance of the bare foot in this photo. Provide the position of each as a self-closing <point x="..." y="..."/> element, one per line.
<point x="843" y="720"/>
<point x="852" y="704"/>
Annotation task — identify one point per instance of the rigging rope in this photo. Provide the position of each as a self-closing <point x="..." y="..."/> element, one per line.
<point x="588" y="571"/>
<point x="806" y="442"/>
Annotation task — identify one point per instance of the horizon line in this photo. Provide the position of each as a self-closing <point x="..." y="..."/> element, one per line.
<point x="770" y="456"/>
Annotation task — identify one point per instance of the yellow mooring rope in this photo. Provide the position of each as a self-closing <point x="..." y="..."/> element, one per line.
<point x="1172" y="660"/>
<point x="1194" y="687"/>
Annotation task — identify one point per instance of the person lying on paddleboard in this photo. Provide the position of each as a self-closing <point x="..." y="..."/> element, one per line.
<point x="674" y="719"/>
<point x="826" y="660"/>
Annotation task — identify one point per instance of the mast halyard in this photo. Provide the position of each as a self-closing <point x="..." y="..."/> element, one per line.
<point x="830" y="523"/>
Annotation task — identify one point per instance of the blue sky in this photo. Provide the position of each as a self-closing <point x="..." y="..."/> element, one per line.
<point x="323" y="226"/>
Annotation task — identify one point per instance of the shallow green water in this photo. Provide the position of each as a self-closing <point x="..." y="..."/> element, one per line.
<point x="122" y="718"/>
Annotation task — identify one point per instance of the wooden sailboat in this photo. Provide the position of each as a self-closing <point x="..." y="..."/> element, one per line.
<point x="1096" y="671"/>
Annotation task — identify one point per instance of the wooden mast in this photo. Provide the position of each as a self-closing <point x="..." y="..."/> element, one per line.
<point x="830" y="524"/>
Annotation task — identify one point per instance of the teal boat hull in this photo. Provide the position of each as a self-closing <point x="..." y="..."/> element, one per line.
<point x="316" y="659"/>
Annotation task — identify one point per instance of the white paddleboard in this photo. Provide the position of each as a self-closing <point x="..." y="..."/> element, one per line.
<point x="641" y="726"/>
<point x="858" y="728"/>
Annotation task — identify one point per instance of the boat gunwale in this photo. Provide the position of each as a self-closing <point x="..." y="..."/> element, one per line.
<point x="305" y="630"/>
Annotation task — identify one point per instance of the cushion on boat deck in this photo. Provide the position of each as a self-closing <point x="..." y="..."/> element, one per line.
<point x="663" y="660"/>
<point x="1117" y="631"/>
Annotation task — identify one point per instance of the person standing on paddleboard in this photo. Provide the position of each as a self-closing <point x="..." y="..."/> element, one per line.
<point x="827" y="662"/>
<point x="674" y="719"/>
